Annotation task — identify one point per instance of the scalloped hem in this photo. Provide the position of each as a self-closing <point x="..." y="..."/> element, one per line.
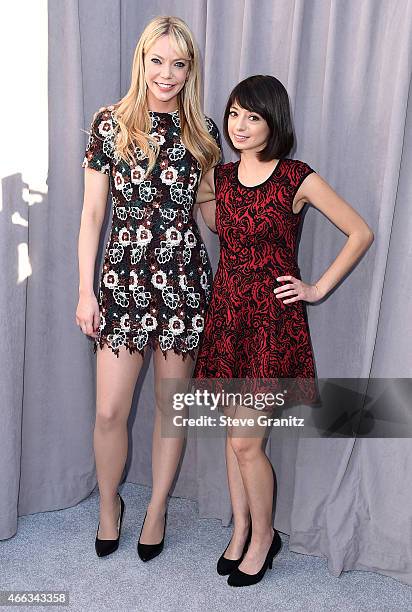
<point x="152" y="343"/>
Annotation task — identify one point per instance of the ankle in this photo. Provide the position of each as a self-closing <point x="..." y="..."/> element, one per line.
<point x="157" y="508"/>
<point x="262" y="537"/>
<point x="241" y="525"/>
<point x="109" y="501"/>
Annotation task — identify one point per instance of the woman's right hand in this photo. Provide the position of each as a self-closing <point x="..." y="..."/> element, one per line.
<point x="87" y="314"/>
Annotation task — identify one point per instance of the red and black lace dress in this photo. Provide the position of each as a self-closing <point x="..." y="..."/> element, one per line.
<point x="249" y="332"/>
<point x="156" y="279"/>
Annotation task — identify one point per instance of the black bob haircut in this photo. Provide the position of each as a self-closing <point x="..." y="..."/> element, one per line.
<point x="266" y="96"/>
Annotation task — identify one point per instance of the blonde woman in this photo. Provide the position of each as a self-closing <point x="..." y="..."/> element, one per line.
<point x="150" y="149"/>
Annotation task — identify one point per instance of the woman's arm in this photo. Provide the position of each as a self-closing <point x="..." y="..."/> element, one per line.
<point x="206" y="199"/>
<point x="96" y="186"/>
<point x="206" y="191"/>
<point x="317" y="191"/>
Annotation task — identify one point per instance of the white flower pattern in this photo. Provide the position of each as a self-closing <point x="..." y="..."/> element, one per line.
<point x="159" y="279"/>
<point x="137" y="175"/>
<point x="146" y="191"/>
<point x="143" y="235"/>
<point x="169" y="175"/>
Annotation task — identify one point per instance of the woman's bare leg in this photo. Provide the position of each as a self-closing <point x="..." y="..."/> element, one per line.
<point x="257" y="476"/>
<point x="240" y="505"/>
<point x="166" y="451"/>
<point x="115" y="379"/>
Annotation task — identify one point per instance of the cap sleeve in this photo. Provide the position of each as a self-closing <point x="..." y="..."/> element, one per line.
<point x="214" y="131"/>
<point x="100" y="143"/>
<point x="300" y="171"/>
<point x="222" y="172"/>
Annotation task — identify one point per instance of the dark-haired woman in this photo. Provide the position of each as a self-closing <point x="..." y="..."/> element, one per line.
<point x="256" y="325"/>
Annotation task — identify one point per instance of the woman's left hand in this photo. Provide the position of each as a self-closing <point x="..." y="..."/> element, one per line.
<point x="298" y="289"/>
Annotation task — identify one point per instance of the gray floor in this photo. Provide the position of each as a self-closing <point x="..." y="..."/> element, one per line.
<point x="55" y="551"/>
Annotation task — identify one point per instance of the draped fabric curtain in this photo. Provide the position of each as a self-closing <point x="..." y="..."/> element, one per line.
<point x="347" y="68"/>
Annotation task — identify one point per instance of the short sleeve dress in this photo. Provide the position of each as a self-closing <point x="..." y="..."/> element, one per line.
<point x="156" y="280"/>
<point x="249" y="332"/>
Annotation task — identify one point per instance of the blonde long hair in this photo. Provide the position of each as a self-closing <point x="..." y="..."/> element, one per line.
<point x="132" y="114"/>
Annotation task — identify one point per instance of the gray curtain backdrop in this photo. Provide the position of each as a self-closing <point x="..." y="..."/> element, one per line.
<point x="347" y="67"/>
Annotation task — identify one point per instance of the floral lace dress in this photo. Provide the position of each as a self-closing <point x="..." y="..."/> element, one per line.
<point x="156" y="280"/>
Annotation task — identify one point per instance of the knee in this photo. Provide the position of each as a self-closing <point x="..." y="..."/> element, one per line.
<point x="164" y="400"/>
<point x="108" y="415"/>
<point x="245" y="449"/>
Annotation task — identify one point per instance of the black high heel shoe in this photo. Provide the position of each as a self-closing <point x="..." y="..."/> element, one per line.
<point x="107" y="547"/>
<point x="238" y="578"/>
<point x="149" y="551"/>
<point x="226" y="566"/>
